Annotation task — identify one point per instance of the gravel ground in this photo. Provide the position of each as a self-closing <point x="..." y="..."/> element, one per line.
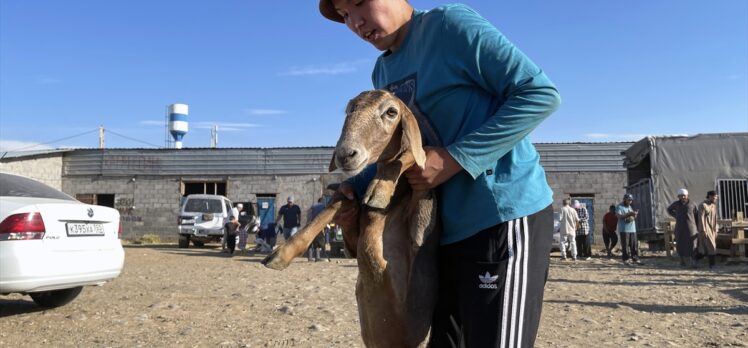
<point x="201" y="298"/>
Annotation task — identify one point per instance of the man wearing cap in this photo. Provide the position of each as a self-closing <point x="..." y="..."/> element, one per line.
<point x="291" y="214"/>
<point x="686" y="213"/>
<point x="708" y="227"/>
<point x="627" y="228"/>
<point x="476" y="98"/>
<point x="583" y="231"/>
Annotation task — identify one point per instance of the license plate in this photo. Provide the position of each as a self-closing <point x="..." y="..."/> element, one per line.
<point x="84" y="229"/>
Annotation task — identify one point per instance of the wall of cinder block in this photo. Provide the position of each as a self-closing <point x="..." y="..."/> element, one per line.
<point x="605" y="188"/>
<point x="44" y="168"/>
<point x="150" y="204"/>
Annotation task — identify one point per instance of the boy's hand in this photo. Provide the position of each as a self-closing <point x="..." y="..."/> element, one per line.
<point x="438" y="168"/>
<point x="347" y="218"/>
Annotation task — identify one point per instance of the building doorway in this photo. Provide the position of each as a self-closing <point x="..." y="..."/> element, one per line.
<point x="266" y="208"/>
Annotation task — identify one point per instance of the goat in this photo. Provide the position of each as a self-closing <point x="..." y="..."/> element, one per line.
<point x="395" y="235"/>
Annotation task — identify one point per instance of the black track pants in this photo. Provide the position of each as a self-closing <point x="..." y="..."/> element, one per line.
<point x="491" y="285"/>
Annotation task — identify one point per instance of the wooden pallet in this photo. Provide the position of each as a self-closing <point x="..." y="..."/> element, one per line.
<point x="739" y="242"/>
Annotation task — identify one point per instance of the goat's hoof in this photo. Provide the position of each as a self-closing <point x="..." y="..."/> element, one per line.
<point x="273" y="261"/>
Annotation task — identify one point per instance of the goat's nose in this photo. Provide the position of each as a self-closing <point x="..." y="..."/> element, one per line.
<point x="351" y="153"/>
<point x="346" y="155"/>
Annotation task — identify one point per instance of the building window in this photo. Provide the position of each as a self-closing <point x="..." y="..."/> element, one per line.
<point x="733" y="197"/>
<point x="104" y="199"/>
<point x="204" y="187"/>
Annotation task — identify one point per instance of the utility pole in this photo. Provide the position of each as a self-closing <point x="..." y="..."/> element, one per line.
<point x="101" y="137"/>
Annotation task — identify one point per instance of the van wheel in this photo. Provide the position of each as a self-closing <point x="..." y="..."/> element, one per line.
<point x="184" y="241"/>
<point x="55" y="298"/>
<point x="198" y="244"/>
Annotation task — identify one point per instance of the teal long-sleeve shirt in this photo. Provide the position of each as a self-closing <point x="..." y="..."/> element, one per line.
<point x="477" y="95"/>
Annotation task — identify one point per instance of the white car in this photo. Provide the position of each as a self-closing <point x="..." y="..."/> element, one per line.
<point x="52" y="245"/>
<point x="556" y="244"/>
<point x="202" y="219"/>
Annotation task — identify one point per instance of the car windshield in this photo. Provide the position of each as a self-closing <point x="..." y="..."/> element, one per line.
<point x="18" y="186"/>
<point x="203" y="205"/>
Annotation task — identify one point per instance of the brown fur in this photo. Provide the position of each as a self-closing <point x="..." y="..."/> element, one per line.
<point x="394" y="235"/>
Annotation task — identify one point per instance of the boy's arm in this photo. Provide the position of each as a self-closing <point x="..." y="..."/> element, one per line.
<point x="489" y="60"/>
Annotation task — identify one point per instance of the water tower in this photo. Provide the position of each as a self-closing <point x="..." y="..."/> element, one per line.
<point x="178" y="123"/>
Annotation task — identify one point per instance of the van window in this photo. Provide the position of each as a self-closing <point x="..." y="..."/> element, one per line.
<point x="202" y="205"/>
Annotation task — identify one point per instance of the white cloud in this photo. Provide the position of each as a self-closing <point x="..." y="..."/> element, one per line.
<point x="615" y="137"/>
<point x="598" y="135"/>
<point x="266" y="111"/>
<point x="325" y="69"/>
<point x="15" y="145"/>
<point x="224" y="126"/>
<point x="152" y="123"/>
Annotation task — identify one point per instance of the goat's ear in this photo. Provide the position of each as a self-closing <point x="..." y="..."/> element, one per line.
<point x="332" y="163"/>
<point x="412" y="136"/>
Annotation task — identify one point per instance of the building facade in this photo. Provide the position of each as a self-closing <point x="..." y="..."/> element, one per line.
<point x="147" y="185"/>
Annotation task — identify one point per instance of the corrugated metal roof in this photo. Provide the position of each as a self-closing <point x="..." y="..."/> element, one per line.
<point x="566" y="157"/>
<point x="582" y="157"/>
<point x="20" y="154"/>
<point x="198" y="161"/>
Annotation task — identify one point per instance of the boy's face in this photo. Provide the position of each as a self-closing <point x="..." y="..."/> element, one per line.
<point x="378" y="22"/>
<point x="712" y="199"/>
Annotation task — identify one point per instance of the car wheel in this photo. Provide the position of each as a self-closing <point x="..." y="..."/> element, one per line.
<point x="55" y="298"/>
<point x="198" y="244"/>
<point x="184" y="241"/>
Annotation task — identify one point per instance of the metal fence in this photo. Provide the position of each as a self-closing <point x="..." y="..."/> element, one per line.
<point x="733" y="197"/>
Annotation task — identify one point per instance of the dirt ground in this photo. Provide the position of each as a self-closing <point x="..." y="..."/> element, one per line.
<point x="201" y="298"/>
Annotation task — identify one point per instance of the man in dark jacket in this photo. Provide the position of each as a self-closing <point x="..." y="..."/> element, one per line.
<point x="686" y="214"/>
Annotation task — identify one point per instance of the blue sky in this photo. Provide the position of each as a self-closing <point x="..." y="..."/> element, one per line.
<point x="275" y="73"/>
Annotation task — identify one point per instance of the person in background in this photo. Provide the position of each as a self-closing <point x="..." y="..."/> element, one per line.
<point x="318" y="244"/>
<point x="291" y="215"/>
<point x="686" y="214"/>
<point x="583" y="231"/>
<point x="568" y="222"/>
<point x="626" y="215"/>
<point x="235" y="211"/>
<point x="708" y="227"/>
<point x="610" y="224"/>
<point x="476" y="98"/>
<point x="231" y="227"/>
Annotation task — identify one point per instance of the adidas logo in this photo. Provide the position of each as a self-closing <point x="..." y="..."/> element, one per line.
<point x="487" y="281"/>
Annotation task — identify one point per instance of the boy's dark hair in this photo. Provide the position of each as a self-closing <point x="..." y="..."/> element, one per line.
<point x="612" y="207"/>
<point x="711" y="193"/>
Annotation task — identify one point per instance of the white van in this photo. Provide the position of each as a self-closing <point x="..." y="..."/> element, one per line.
<point x="202" y="219"/>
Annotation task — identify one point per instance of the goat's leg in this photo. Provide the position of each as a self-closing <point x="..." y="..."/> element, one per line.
<point x="382" y="187"/>
<point x="281" y="257"/>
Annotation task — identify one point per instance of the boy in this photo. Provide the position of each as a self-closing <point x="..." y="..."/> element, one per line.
<point x="476" y="98"/>
<point x="231" y="228"/>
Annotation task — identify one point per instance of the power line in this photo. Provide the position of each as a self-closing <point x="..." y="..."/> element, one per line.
<point x="129" y="138"/>
<point x="53" y="141"/>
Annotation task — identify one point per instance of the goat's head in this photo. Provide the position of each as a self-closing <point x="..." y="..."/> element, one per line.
<point x="378" y="127"/>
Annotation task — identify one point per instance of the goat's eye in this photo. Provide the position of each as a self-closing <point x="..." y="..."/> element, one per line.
<point x="391" y="112"/>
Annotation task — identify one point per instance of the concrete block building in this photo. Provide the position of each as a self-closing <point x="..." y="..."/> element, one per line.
<point x="146" y="185"/>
